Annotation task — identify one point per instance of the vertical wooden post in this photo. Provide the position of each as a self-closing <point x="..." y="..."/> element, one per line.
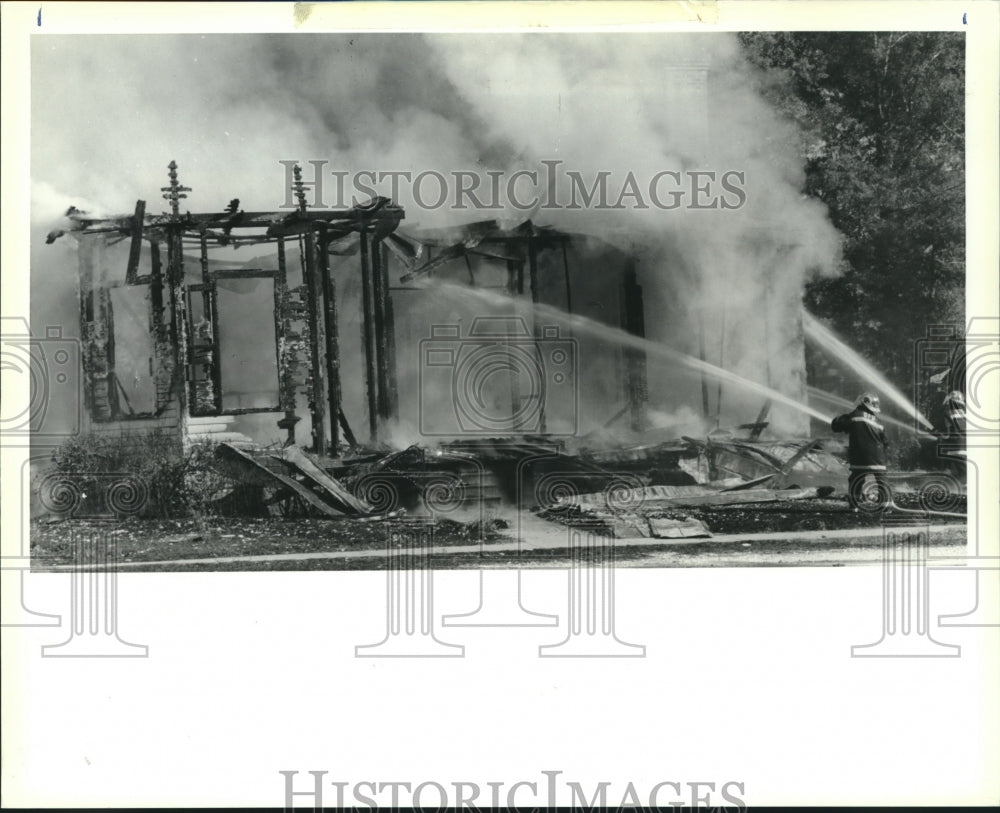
<point x="281" y="339"/>
<point x="532" y="270"/>
<point x="317" y="392"/>
<point x="286" y="379"/>
<point x="161" y="351"/>
<point x="204" y="259"/>
<point x="533" y="286"/>
<point x="210" y="311"/>
<point x="88" y="313"/>
<point x="174" y="193"/>
<point x="633" y="321"/>
<point x="569" y="290"/>
<point x="378" y="314"/>
<point x="114" y="404"/>
<point x="722" y="361"/>
<point x="332" y="341"/>
<point x="368" y="335"/>
<point x="178" y="307"/>
<point x="704" y="379"/>
<point x="211" y="298"/>
<point x="515" y="286"/>
<point x="388" y="339"/>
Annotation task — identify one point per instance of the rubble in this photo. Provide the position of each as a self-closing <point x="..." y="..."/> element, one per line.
<point x="634" y="483"/>
<point x="298" y="476"/>
<point x="620" y="489"/>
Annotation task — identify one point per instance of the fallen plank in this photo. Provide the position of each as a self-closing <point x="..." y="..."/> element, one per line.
<point x="751" y="483"/>
<point x="628" y="526"/>
<point x="690" y="528"/>
<point x="693" y="496"/>
<point x="232" y="438"/>
<point x="786" y="470"/>
<point x="240" y="467"/>
<point x="308" y="467"/>
<point x="243" y="468"/>
<point x="750" y="495"/>
<point x="602" y="500"/>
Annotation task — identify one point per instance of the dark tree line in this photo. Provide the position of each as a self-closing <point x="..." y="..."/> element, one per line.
<point x="883" y="117"/>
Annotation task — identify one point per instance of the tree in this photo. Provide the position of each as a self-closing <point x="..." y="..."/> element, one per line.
<point x="883" y="117"/>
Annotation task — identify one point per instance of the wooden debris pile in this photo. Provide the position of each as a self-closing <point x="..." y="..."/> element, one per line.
<point x="624" y="490"/>
<point x="291" y="481"/>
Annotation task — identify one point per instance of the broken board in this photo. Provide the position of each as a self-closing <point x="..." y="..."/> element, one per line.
<point x="244" y="468"/>
<point x="334" y="490"/>
<point x="694" y="496"/>
<point x="690" y="528"/>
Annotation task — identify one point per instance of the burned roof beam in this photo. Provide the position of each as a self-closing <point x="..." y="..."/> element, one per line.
<point x="124" y="224"/>
<point x="446" y="256"/>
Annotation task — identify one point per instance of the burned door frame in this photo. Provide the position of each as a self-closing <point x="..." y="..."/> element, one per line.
<point x="212" y="363"/>
<point x="313" y="303"/>
<point x="98" y="339"/>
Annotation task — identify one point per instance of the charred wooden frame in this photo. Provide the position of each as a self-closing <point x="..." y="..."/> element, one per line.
<point x="311" y="352"/>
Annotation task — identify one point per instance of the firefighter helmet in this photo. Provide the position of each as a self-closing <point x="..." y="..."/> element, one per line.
<point x="870" y="402"/>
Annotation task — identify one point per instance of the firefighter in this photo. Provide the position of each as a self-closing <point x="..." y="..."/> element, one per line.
<point x="951" y="443"/>
<point x="866" y="451"/>
<point x="954" y="414"/>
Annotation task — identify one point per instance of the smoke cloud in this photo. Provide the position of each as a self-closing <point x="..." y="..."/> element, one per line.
<point x="109" y="112"/>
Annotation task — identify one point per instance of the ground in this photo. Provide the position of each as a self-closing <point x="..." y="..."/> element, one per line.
<point x="817" y="531"/>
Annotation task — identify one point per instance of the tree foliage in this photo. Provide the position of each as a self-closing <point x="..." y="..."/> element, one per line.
<point x="883" y="117"/>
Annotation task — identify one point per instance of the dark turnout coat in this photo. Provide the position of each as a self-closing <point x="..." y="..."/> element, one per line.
<point x="866" y="439"/>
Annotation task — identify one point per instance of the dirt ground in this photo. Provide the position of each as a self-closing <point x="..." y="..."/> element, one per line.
<point x="224" y="538"/>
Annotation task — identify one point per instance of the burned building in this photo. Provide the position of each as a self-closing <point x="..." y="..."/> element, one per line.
<point x="317" y="327"/>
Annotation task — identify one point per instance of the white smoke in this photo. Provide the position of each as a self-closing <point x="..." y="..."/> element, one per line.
<point x="110" y="112"/>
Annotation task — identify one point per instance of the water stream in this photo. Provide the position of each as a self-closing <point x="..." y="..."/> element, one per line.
<point x="583" y="325"/>
<point x="828" y="340"/>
